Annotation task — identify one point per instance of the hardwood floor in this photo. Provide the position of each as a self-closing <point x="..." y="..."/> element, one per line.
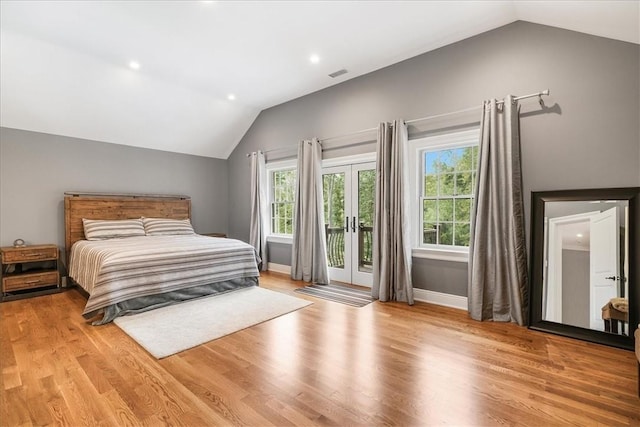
<point x="327" y="364"/>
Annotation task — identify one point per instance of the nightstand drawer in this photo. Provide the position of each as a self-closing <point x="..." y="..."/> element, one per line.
<point x="29" y="254"/>
<point x="28" y="281"/>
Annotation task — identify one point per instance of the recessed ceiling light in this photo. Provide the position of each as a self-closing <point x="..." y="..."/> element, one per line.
<point x="579" y="235"/>
<point x="231" y="97"/>
<point x="314" y="59"/>
<point x="134" y="65"/>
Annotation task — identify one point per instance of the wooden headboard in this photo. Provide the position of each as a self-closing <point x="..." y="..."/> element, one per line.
<point x="118" y="206"/>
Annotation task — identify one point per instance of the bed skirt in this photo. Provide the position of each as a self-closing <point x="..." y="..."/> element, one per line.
<point x="151" y="302"/>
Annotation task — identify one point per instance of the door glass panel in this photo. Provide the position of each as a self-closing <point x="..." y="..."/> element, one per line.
<point x="333" y="191"/>
<point x="366" y="193"/>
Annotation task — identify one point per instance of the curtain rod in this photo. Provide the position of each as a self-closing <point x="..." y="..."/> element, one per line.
<point x="517" y="98"/>
<point x="437" y="116"/>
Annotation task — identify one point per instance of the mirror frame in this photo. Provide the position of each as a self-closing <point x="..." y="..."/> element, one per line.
<point x="538" y="200"/>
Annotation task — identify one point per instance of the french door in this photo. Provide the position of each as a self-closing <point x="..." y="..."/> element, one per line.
<point x="349" y="193"/>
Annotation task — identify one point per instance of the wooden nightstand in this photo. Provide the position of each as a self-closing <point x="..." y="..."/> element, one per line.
<point x="28" y="269"/>
<point x="215" y="234"/>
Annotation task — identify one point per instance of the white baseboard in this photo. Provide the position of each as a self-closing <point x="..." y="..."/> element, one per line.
<point x="439" y="298"/>
<point x="279" y="268"/>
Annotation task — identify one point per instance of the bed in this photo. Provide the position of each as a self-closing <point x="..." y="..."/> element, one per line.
<point x="152" y="259"/>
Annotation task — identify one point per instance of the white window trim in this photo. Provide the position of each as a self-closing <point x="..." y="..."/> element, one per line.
<point x="271" y="167"/>
<point x="280" y="238"/>
<point x="443" y="141"/>
<point x="441" y="254"/>
<point x="349" y="160"/>
<point x="281" y="164"/>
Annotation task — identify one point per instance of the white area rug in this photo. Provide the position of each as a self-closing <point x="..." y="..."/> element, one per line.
<point x="169" y="330"/>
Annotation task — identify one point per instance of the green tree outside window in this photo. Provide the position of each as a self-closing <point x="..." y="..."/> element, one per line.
<point x="447" y="195"/>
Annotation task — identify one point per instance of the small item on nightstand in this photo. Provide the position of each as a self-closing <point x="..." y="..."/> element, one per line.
<point x="19" y="243"/>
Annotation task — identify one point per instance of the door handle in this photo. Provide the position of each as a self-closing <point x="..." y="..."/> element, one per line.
<point x="353" y="224"/>
<point x="612" y="278"/>
<point x="346" y="224"/>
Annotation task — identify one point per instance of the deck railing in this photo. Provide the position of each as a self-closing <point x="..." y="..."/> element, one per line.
<point x="335" y="246"/>
<point x="365" y="247"/>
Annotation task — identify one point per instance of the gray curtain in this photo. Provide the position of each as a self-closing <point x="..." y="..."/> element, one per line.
<point x="391" y="240"/>
<point x="497" y="254"/>
<point x="259" y="217"/>
<point x="309" y="251"/>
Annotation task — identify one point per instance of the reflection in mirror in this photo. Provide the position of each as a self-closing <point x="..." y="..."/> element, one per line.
<point x="585" y="258"/>
<point x="586" y="264"/>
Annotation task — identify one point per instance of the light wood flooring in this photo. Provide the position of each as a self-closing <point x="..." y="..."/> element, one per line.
<point x="327" y="364"/>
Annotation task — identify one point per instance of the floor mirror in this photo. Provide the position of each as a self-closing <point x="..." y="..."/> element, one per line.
<point x="585" y="254"/>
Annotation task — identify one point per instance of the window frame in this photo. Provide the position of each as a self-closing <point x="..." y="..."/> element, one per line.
<point x="271" y="167"/>
<point x="444" y="141"/>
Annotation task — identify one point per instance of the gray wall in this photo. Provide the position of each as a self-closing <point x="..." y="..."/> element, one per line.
<point x="36" y="169"/>
<point x="576" y="280"/>
<point x="588" y="137"/>
<point x="279" y="253"/>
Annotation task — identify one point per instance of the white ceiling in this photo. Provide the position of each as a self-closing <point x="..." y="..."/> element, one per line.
<point x="576" y="236"/>
<point x="64" y="64"/>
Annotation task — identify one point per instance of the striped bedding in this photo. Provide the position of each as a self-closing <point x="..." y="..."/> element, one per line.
<point x="117" y="270"/>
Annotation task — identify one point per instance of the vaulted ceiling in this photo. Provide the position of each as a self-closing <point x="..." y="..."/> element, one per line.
<point x="205" y="69"/>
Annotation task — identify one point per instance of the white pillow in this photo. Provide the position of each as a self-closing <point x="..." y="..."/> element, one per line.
<point x="166" y="226"/>
<point x="100" y="229"/>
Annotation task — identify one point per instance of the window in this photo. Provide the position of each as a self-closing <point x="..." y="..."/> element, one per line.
<point x="282" y="190"/>
<point x="445" y="171"/>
